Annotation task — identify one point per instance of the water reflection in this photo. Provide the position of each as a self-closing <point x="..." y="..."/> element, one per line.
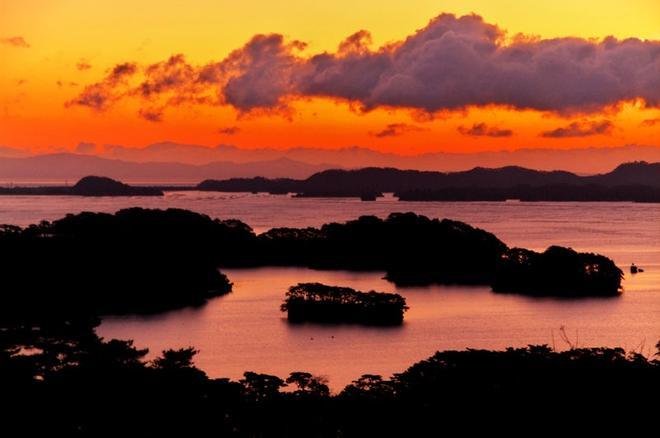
<point x="246" y="330"/>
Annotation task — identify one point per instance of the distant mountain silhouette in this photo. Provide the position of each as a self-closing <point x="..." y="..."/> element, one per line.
<point x="584" y="161"/>
<point x="579" y="160"/>
<point x="638" y="181"/>
<point x="62" y="167"/>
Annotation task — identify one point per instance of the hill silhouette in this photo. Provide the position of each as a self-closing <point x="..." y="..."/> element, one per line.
<point x="639" y="181"/>
<point x="103" y="186"/>
<point x="86" y="186"/>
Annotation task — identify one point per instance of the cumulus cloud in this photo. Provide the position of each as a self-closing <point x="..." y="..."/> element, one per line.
<point x="396" y="129"/>
<point x="581" y="129"/>
<point x="15" y="41"/>
<point x="452" y="63"/>
<point x="261" y="74"/>
<point x="483" y="130"/>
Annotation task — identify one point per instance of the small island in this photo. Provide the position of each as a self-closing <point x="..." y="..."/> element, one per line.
<point x="86" y="186"/>
<point x="321" y="303"/>
<point x="557" y="271"/>
<point x="103" y="186"/>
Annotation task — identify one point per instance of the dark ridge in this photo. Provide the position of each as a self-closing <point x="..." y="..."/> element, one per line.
<point x="320" y="303"/>
<point x="638" y="181"/>
<point x="62" y="379"/>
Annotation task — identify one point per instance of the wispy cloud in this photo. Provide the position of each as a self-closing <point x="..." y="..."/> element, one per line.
<point x="151" y="114"/>
<point x="100" y="95"/>
<point x="83" y="65"/>
<point x="15" y="41"/>
<point x="396" y="129"/>
<point x="648" y="123"/>
<point x="229" y="130"/>
<point x="483" y="130"/>
<point x="581" y="129"/>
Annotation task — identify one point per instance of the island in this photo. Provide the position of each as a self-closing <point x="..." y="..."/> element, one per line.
<point x="134" y="261"/>
<point x="86" y="186"/>
<point x="629" y="182"/>
<point x="635" y="182"/>
<point x="148" y="260"/>
<point x="557" y="271"/>
<point x="317" y="302"/>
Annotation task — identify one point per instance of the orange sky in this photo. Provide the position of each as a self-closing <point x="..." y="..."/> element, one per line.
<point x="51" y="50"/>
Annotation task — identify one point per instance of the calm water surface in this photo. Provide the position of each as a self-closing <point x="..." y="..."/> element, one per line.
<point x="246" y="331"/>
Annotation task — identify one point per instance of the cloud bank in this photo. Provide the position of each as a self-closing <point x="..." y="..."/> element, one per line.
<point x="451" y="64"/>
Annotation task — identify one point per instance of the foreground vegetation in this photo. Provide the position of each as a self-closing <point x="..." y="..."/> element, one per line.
<point x="58" y="377"/>
<point x="321" y="303"/>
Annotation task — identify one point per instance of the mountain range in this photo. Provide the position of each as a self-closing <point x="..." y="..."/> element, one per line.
<point x="184" y="163"/>
<point x="63" y="167"/>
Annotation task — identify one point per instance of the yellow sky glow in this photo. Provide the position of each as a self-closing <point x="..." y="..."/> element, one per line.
<point x="36" y="81"/>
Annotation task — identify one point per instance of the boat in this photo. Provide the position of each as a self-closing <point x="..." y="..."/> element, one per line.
<point x="634" y="269"/>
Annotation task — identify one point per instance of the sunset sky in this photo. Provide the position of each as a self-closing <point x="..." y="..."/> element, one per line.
<point x="394" y="76"/>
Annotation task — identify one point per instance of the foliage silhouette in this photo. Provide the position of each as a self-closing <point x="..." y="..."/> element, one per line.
<point x="321" y="303"/>
<point x="59" y="377"/>
<point x="557" y="271"/>
<point x="141" y="261"/>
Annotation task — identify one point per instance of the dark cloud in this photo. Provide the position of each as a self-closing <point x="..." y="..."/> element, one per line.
<point x="458" y="62"/>
<point x="452" y="63"/>
<point x="229" y="130"/>
<point x="483" y="130"/>
<point x="261" y="74"/>
<point x="581" y="129"/>
<point x="83" y="65"/>
<point x="16" y="41"/>
<point x="396" y="129"/>
<point x="648" y="123"/>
